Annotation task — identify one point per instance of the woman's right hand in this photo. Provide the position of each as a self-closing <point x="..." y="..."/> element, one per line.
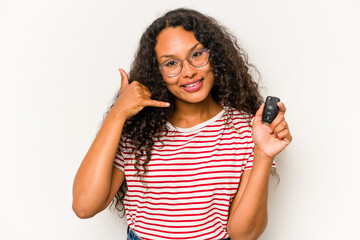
<point x="133" y="98"/>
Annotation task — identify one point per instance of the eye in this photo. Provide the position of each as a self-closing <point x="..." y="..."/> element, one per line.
<point x="170" y="63"/>
<point x="197" y="53"/>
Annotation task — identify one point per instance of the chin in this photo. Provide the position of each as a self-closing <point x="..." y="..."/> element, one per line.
<point x="195" y="99"/>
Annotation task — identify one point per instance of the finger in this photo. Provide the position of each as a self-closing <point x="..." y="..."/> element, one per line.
<point x="124" y="78"/>
<point x="285" y="135"/>
<point x="145" y="91"/>
<point x="282" y="108"/>
<point x="259" y="114"/>
<point x="146" y="94"/>
<point x="280" y="127"/>
<point x="280" y="116"/>
<point x="155" y="103"/>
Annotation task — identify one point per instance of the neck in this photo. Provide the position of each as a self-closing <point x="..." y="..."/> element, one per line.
<point x="190" y="114"/>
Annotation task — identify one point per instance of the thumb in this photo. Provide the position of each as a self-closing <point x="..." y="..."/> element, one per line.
<point x="259" y="114"/>
<point x="124" y="78"/>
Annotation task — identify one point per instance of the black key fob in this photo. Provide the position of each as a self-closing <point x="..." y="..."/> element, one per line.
<point x="270" y="110"/>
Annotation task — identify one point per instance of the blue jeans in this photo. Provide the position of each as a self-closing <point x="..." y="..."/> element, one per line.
<point x="132" y="235"/>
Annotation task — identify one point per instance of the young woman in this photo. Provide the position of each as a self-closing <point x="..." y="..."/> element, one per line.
<point x="183" y="148"/>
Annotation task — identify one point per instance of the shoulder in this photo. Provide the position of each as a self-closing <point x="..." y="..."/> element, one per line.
<point x="238" y="118"/>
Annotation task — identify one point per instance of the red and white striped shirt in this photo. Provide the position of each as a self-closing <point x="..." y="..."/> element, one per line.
<point x="191" y="180"/>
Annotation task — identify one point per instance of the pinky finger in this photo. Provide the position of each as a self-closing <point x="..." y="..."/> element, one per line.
<point x="154" y="103"/>
<point x="284" y="134"/>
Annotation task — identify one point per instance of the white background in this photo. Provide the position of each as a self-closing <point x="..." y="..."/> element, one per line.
<point x="58" y="72"/>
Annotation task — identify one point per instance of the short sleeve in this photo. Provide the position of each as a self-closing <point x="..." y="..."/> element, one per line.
<point x="249" y="162"/>
<point x="119" y="156"/>
<point x="245" y="129"/>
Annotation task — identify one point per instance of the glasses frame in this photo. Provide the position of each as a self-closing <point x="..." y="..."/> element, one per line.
<point x="182" y="60"/>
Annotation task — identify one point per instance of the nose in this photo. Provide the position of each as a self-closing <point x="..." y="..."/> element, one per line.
<point x="188" y="69"/>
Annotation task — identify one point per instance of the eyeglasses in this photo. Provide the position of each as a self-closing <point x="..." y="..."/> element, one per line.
<point x="173" y="67"/>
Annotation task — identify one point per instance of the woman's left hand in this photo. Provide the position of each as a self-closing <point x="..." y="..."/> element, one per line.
<point x="271" y="139"/>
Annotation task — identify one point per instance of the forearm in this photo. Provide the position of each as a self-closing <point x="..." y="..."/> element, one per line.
<point x="248" y="213"/>
<point x="93" y="180"/>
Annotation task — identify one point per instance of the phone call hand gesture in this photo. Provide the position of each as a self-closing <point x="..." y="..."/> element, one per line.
<point x="271" y="139"/>
<point x="133" y="98"/>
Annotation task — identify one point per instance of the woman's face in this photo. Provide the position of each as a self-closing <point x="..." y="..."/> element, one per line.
<point x="193" y="84"/>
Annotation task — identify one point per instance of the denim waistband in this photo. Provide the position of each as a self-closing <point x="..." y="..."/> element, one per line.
<point x="132" y="235"/>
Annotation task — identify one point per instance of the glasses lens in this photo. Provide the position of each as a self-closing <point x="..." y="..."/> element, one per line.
<point x="171" y="67"/>
<point x="199" y="58"/>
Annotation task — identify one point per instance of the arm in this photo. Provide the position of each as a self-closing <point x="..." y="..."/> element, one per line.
<point x="248" y="211"/>
<point x="97" y="181"/>
<point x="96" y="177"/>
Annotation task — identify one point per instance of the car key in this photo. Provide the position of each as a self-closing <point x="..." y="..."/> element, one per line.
<point x="270" y="109"/>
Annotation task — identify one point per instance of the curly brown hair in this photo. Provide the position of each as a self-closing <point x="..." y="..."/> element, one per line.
<point x="233" y="84"/>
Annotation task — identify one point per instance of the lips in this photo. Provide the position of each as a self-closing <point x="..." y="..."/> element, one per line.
<point x="192" y="82"/>
<point x="193" y="85"/>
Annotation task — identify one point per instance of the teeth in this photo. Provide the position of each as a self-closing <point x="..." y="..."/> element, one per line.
<point x="191" y="85"/>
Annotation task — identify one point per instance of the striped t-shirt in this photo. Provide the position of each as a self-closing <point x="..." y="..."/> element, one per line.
<point x="191" y="180"/>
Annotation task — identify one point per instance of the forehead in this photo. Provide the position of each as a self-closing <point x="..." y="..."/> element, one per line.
<point x="174" y="41"/>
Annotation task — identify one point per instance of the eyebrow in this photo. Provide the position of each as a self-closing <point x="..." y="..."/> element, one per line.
<point x="171" y="56"/>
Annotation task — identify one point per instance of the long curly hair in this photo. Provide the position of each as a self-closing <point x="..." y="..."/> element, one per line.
<point x="233" y="82"/>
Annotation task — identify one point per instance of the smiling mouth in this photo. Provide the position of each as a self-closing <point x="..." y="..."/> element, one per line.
<point x="192" y="84"/>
